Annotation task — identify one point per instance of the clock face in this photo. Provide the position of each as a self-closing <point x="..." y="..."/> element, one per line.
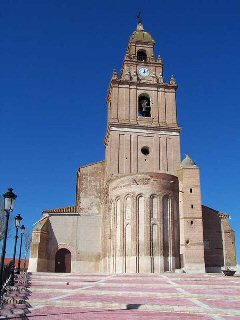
<point x="144" y="72"/>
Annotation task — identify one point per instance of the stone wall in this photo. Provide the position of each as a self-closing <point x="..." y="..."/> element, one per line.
<point x="191" y="225"/>
<point x="90" y="186"/>
<point x="80" y="234"/>
<point x="219" y="240"/>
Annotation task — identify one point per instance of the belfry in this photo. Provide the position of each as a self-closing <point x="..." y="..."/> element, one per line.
<point x="139" y="210"/>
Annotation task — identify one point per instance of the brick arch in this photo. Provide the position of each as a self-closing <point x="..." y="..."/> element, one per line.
<point x="65" y="246"/>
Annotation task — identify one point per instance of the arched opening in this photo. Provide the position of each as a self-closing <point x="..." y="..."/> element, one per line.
<point x="63" y="261"/>
<point x="141" y="55"/>
<point x="144" y="108"/>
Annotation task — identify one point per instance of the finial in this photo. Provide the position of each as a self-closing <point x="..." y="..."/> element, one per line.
<point x="114" y="75"/>
<point x="140" y="24"/>
<point x="139" y="18"/>
<point x="172" y="81"/>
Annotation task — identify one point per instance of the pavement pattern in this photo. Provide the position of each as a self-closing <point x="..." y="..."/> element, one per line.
<point x="167" y="296"/>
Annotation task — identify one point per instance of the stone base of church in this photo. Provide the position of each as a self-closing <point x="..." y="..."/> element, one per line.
<point x="194" y="268"/>
<point x="43" y="265"/>
<point x="142" y="264"/>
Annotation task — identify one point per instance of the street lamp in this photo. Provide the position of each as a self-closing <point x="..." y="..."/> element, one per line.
<point x="22" y="230"/>
<point x="18" y="220"/>
<point x="9" y="200"/>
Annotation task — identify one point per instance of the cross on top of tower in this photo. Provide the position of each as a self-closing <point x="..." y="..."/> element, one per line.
<point x="139" y="17"/>
<point x="140" y="24"/>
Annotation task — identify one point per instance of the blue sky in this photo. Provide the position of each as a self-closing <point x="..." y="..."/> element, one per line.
<point x="57" y="58"/>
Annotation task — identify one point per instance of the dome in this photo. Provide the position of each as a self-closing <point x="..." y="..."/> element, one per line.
<point x="188" y="162"/>
<point x="140" y="35"/>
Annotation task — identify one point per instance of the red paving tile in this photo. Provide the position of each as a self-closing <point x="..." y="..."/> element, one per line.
<point x="205" y="282"/>
<point x="233" y="292"/>
<point x="56" y="286"/>
<point x="223" y="304"/>
<point x="131" y="300"/>
<point x="104" y="292"/>
<point x="136" y="289"/>
<point x="143" y="281"/>
<point x="43" y="295"/>
<point x="101" y="314"/>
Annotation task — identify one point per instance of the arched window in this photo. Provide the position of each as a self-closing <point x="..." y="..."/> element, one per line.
<point x="144" y="108"/>
<point x="141" y="55"/>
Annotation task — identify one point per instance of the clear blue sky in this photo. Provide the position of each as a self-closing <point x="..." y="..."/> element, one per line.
<point x="57" y="58"/>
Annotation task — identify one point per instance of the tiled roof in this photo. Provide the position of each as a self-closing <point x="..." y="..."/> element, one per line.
<point x="70" y="209"/>
<point x="7" y="260"/>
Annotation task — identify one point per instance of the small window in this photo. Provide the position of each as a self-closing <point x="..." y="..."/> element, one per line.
<point x="191" y="222"/>
<point x="187" y="242"/>
<point x="141" y="55"/>
<point x="144" y="108"/>
<point x="192" y="206"/>
<point x="190" y="190"/>
<point x="145" y="151"/>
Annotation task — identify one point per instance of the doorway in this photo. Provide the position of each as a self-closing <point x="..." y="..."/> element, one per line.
<point x="63" y="261"/>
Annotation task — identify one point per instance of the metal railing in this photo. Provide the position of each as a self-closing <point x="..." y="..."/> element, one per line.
<point x="7" y="270"/>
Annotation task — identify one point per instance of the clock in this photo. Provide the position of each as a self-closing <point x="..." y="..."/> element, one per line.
<point x="144" y="72"/>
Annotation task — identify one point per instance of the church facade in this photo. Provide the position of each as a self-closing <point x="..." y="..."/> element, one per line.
<point x="139" y="210"/>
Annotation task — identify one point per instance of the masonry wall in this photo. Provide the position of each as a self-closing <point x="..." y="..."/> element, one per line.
<point x="142" y="231"/>
<point x="90" y="187"/>
<point x="219" y="241"/>
<point x="191" y="225"/>
<point x="38" y="255"/>
<point x="124" y="151"/>
<point x="80" y="234"/>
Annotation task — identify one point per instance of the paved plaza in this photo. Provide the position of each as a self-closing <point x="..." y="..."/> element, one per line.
<point x="133" y="296"/>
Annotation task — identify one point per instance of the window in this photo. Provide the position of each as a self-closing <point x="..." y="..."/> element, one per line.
<point x="145" y="151"/>
<point x="141" y="55"/>
<point x="190" y="190"/>
<point x="144" y="108"/>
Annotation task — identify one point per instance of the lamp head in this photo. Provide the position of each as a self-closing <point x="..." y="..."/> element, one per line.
<point x="22" y="229"/>
<point x="9" y="199"/>
<point x="18" y="220"/>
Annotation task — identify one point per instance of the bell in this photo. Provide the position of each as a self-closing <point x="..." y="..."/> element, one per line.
<point x="145" y="111"/>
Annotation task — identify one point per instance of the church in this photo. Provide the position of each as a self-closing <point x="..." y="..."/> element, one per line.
<point x="140" y="209"/>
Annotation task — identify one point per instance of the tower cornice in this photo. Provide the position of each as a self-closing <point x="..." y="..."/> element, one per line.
<point x="162" y="129"/>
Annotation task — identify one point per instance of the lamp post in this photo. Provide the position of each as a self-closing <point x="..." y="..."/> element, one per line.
<point x="22" y="230"/>
<point x="18" y="220"/>
<point x="9" y="200"/>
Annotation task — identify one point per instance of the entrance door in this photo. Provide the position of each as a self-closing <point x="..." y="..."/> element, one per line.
<point x="63" y="261"/>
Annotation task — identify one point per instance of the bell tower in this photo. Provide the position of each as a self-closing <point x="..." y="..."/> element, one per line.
<point x="142" y="159"/>
<point x="143" y="134"/>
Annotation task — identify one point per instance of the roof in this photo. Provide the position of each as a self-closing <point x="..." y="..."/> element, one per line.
<point x="70" y="209"/>
<point x="188" y="162"/>
<point x="140" y="35"/>
<point x="22" y="262"/>
<point x="222" y="215"/>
